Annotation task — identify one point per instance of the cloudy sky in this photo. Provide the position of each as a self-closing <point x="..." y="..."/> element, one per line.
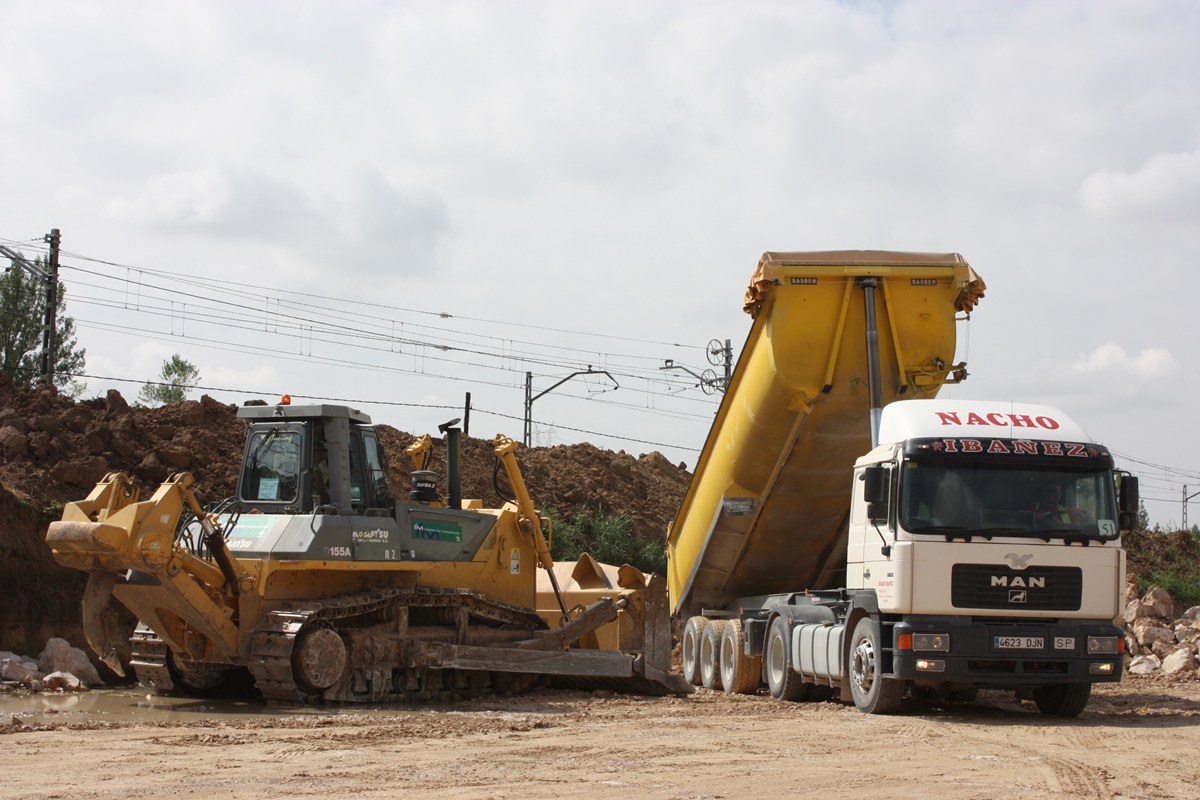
<point x="396" y="203"/>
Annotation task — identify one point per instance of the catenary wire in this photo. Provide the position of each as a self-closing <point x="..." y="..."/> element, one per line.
<point x="360" y="401"/>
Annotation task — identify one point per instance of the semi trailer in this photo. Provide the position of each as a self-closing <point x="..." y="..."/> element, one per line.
<point x="845" y="532"/>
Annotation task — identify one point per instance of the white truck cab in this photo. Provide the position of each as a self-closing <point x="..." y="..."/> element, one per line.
<point x="988" y="536"/>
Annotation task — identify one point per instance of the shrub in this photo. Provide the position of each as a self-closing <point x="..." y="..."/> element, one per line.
<point x="607" y="538"/>
<point x="1171" y="560"/>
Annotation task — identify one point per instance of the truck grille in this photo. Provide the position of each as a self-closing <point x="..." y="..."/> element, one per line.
<point x="1000" y="586"/>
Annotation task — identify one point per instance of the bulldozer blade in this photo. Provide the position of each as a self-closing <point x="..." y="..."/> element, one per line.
<point x="99" y="619"/>
<point x="655" y="664"/>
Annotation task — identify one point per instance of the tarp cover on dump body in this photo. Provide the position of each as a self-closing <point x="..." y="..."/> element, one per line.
<point x="767" y="505"/>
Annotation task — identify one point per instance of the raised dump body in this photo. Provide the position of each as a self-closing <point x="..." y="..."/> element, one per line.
<point x="767" y="507"/>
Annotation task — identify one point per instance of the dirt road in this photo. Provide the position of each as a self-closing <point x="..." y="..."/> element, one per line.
<point x="1136" y="740"/>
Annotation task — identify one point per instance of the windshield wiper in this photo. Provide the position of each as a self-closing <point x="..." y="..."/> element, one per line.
<point x="951" y="532"/>
<point x="1077" y="535"/>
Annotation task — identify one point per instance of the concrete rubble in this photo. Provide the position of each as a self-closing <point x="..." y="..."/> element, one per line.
<point x="1159" y="638"/>
<point x="59" y="668"/>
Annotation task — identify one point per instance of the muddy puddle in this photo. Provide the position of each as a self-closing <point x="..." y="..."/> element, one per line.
<point x="131" y="705"/>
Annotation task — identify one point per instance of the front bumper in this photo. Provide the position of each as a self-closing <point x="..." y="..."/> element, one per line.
<point x="975" y="657"/>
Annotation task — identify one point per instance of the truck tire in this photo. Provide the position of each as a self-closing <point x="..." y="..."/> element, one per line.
<point x="710" y="650"/>
<point x="740" y="673"/>
<point x="690" y="649"/>
<point x="873" y="693"/>
<point x="1062" y="699"/>
<point x="783" y="683"/>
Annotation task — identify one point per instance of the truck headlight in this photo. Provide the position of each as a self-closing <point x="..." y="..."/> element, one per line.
<point x="1102" y="646"/>
<point x="1103" y="668"/>
<point x="931" y="665"/>
<point x="931" y="641"/>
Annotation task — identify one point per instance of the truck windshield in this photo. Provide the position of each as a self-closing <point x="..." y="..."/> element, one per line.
<point x="982" y="499"/>
<point x="272" y="469"/>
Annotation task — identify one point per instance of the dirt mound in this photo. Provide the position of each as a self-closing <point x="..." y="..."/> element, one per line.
<point x="647" y="489"/>
<point x="54" y="449"/>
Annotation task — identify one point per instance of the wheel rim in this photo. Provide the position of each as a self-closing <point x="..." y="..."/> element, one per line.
<point x="707" y="665"/>
<point x="862" y="666"/>
<point x="689" y="652"/>
<point x="775" y="661"/>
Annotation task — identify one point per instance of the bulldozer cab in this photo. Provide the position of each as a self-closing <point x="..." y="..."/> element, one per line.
<point x="303" y="459"/>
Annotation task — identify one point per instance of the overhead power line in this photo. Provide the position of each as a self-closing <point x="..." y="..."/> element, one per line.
<point x="324" y="298"/>
<point x="228" y="347"/>
<point x="360" y="401"/>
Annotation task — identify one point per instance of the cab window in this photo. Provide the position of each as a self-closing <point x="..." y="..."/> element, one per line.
<point x="271" y="473"/>
<point x="376" y="472"/>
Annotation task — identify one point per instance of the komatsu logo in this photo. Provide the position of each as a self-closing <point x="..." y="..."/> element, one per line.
<point x="1019" y="582"/>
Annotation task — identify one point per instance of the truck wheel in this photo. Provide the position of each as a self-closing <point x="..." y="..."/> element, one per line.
<point x="690" y="647"/>
<point x="873" y="693"/>
<point x="783" y="683"/>
<point x="740" y="673"/>
<point x="710" y="649"/>
<point x="1062" y="699"/>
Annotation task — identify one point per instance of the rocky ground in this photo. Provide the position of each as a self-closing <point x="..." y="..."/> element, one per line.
<point x="1137" y="739"/>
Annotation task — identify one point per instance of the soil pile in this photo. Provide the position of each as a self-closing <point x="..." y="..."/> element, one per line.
<point x="54" y="449"/>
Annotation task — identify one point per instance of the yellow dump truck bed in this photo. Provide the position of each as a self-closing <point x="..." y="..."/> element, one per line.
<point x="766" y="509"/>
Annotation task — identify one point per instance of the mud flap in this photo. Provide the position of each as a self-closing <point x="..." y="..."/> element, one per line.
<point x="100" y="625"/>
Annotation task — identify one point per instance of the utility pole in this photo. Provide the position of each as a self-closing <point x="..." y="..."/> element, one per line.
<point x="49" y="279"/>
<point x="51" y="318"/>
<point x="1186" y="498"/>
<point x="530" y="396"/>
<point x="728" y="362"/>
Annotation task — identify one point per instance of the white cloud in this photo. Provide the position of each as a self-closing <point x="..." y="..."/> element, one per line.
<point x="1111" y="358"/>
<point x="1166" y="187"/>
<point x="192" y="198"/>
<point x="616" y="168"/>
<point x="362" y="222"/>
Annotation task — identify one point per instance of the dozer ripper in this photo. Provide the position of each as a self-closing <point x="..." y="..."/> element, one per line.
<point x="322" y="587"/>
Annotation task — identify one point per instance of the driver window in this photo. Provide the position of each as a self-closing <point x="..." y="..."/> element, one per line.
<point x="377" y="472"/>
<point x="272" y="469"/>
<point x="356" y="473"/>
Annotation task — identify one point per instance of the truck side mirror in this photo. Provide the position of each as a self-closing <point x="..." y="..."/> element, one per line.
<point x="1129" y="494"/>
<point x="1130" y="504"/>
<point x="874" y="490"/>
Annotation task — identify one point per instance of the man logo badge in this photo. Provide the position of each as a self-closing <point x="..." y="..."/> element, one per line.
<point x="1019" y="562"/>
<point x="1017" y="595"/>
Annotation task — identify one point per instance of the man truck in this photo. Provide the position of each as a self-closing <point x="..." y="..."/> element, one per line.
<point x="845" y="531"/>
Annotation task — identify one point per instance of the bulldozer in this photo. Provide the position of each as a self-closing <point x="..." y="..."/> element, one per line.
<point x="318" y="585"/>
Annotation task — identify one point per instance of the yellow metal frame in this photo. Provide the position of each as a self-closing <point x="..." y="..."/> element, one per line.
<point x="795" y="416"/>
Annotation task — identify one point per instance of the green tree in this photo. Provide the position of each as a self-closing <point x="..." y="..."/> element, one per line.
<point x="22" y="316"/>
<point x="178" y="375"/>
<point x="1143" y="518"/>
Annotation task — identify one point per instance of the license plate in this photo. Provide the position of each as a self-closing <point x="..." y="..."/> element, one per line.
<point x="1019" y="643"/>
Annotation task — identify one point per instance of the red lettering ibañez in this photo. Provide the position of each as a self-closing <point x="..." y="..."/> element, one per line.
<point x="1015" y="447"/>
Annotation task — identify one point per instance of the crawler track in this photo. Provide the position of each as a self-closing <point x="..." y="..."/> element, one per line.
<point x="149" y="660"/>
<point x="375" y="679"/>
